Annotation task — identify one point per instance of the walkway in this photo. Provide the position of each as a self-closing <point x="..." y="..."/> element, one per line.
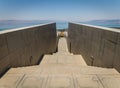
<point x="61" y="70"/>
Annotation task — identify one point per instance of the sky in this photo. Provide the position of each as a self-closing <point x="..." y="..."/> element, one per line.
<point x="68" y="10"/>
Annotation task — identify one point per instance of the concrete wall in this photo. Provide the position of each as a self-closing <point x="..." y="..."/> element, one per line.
<point x="99" y="46"/>
<point x="25" y="46"/>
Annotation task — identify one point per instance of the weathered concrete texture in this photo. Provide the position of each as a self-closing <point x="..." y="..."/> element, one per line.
<point x="25" y="46"/>
<point x="63" y="56"/>
<point x="55" y="72"/>
<point x="60" y="81"/>
<point x="98" y="45"/>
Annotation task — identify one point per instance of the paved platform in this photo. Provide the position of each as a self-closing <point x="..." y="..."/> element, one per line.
<point x="61" y="70"/>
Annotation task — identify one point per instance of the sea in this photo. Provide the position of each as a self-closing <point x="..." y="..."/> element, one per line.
<point x="59" y="25"/>
<point x="109" y="25"/>
<point x="12" y="26"/>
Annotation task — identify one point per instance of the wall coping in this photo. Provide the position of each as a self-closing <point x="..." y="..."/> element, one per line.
<point x="100" y="27"/>
<point x="22" y="28"/>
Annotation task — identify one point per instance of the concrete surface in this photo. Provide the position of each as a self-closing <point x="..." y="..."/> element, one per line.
<point x="99" y="46"/>
<point x="56" y="71"/>
<point x="63" y="56"/>
<point x="25" y="46"/>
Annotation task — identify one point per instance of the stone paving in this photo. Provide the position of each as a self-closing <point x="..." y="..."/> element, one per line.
<point x="61" y="70"/>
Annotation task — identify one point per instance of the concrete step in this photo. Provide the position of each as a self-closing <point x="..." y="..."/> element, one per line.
<point x="63" y="59"/>
<point x="64" y="69"/>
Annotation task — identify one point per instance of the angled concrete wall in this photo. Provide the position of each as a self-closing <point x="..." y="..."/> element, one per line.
<point x="25" y="46"/>
<point x="99" y="46"/>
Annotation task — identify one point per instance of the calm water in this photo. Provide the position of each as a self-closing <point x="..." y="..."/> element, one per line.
<point x="62" y="25"/>
<point x="108" y="25"/>
<point x="59" y="25"/>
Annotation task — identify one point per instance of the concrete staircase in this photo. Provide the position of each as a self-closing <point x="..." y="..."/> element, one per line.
<point x="61" y="70"/>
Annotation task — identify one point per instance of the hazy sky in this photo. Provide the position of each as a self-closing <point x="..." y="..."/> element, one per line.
<point x="81" y="10"/>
